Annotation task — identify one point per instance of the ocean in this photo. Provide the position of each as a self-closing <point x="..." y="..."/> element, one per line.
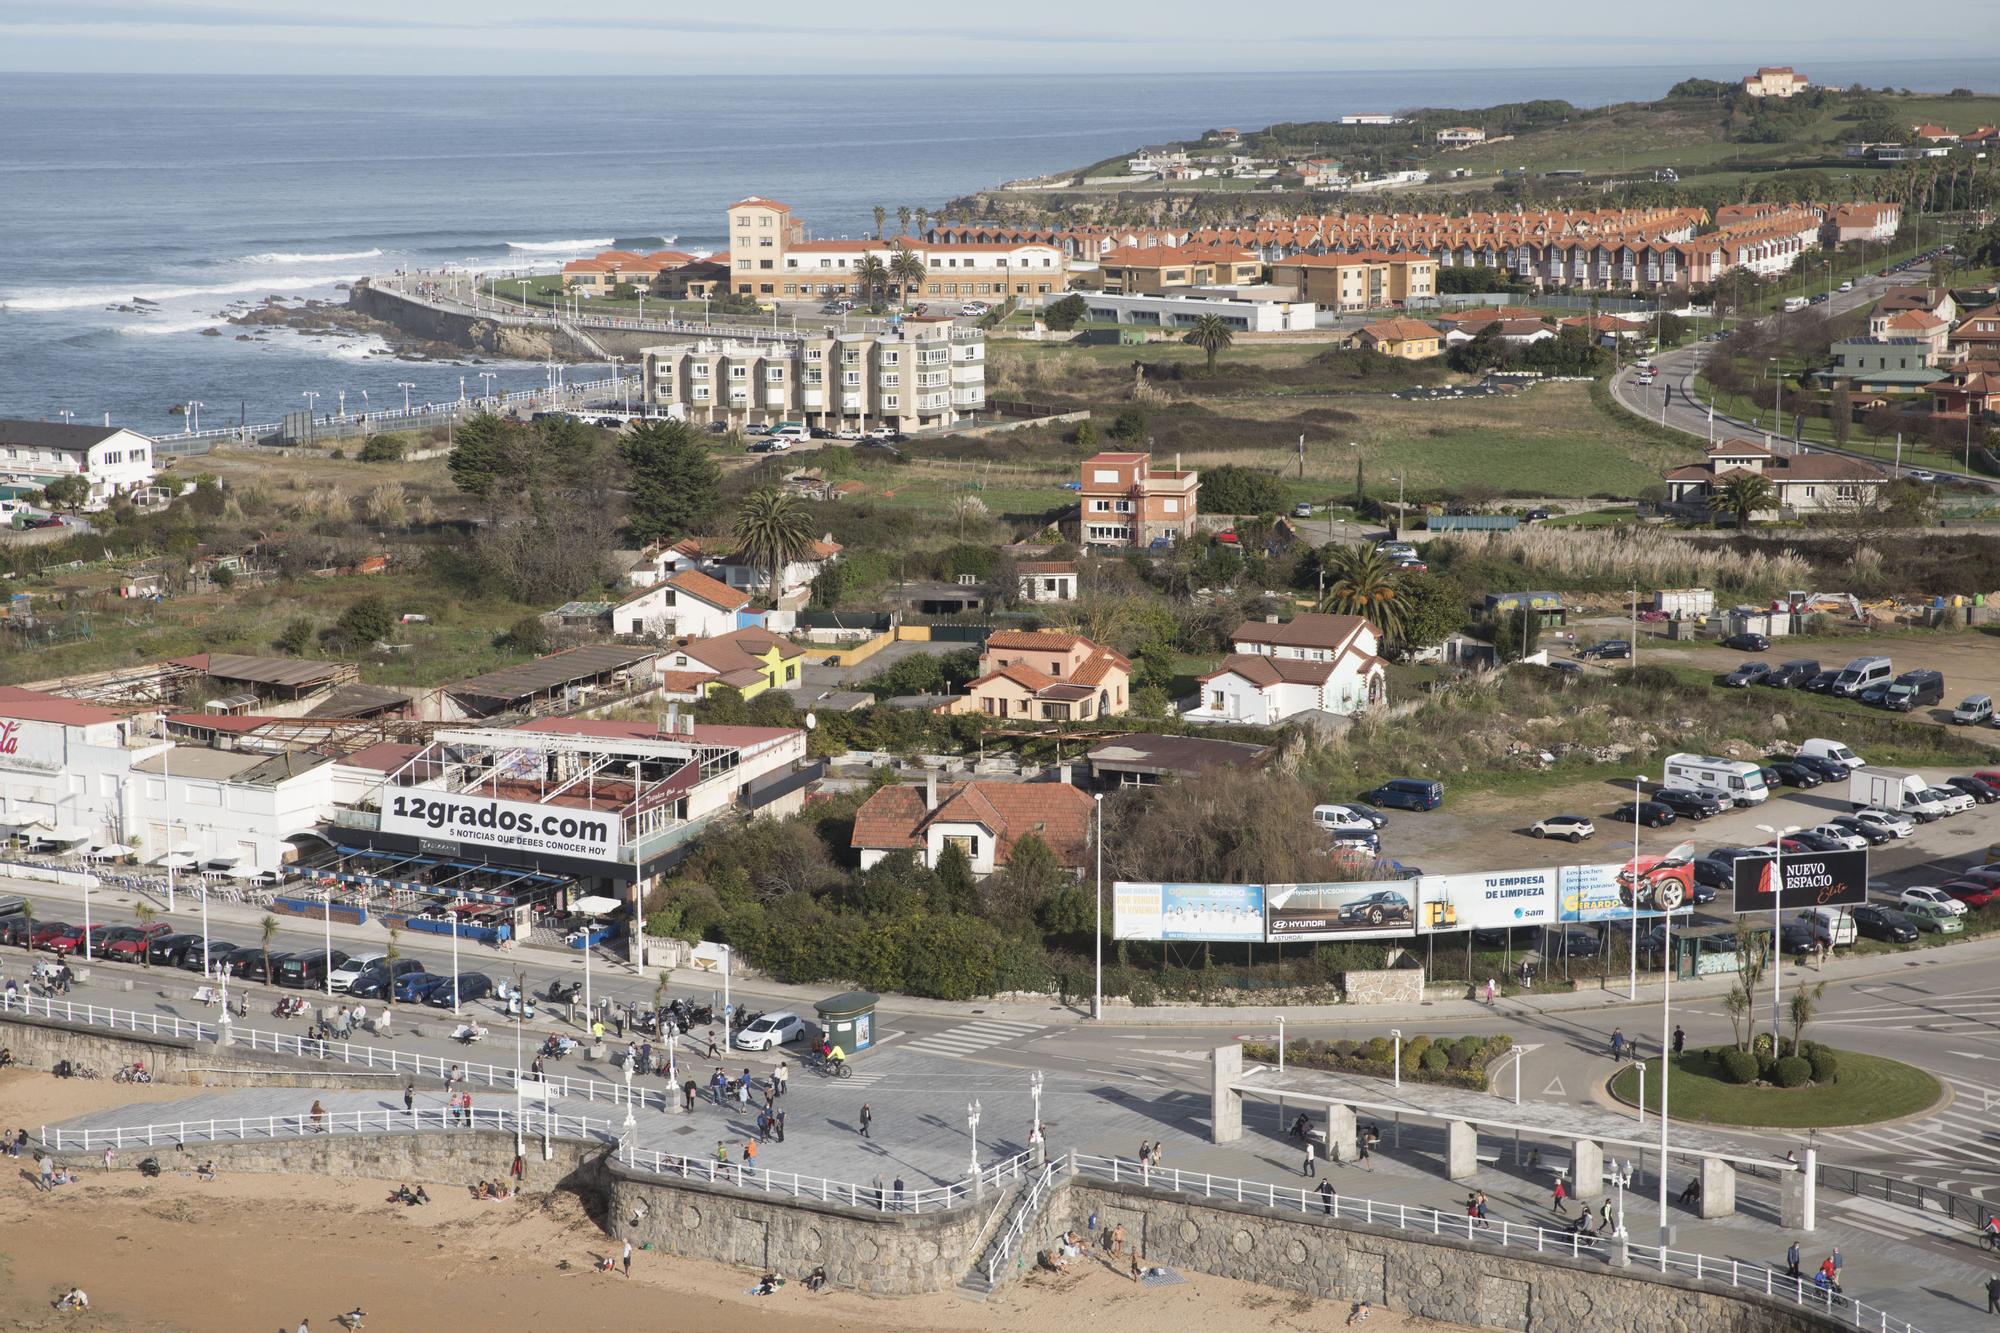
<point x="200" y="193"/>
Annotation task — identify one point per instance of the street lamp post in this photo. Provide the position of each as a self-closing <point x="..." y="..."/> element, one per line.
<point x="1778" y="836"/>
<point x="455" y="919"/>
<point x="488" y="376"/>
<point x="1640" y="1065"/>
<point x="1396" y="1069"/>
<point x="972" y="1128"/>
<point x="327" y="895"/>
<point x="1097" y="993"/>
<point x="1281" y="1043"/>
<point x="405" y="386"/>
<point x="1638" y="797"/>
<point x="1666" y="1065"/>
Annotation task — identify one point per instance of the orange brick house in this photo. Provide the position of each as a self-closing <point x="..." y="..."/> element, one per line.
<point x="985" y="819"/>
<point x="1045" y="676"/>
<point x="1126" y="501"/>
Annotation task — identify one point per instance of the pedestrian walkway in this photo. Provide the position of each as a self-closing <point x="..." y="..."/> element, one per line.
<point x="1951" y="1147"/>
<point x="970" y="1037"/>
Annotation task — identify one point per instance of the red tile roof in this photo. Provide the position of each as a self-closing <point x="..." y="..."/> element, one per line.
<point x="1040" y="640"/>
<point x="383" y="756"/>
<point x="894" y="817"/>
<point x="33" y="706"/>
<point x="1311" y="630"/>
<point x="703" y="588"/>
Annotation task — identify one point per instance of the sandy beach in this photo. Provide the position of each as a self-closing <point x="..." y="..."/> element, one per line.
<point x="259" y="1253"/>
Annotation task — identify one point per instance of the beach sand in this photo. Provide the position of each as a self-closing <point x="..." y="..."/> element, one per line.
<point x="261" y="1252"/>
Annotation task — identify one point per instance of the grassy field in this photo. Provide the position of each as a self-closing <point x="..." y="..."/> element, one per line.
<point x="1870" y="1090"/>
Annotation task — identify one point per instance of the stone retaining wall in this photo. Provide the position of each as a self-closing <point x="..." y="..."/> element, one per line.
<point x="39" y="1043"/>
<point x="1393" y="985"/>
<point x="451" y="1160"/>
<point x="1437" y="1277"/>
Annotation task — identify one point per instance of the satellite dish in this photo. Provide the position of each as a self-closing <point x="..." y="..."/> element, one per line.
<point x="812" y="721"/>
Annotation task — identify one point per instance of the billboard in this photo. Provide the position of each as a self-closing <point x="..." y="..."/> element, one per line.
<point x="1340" y="911"/>
<point x="1214" y="913"/>
<point x="1812" y="879"/>
<point x="512" y="826"/>
<point x="1487" y="901"/>
<point x="1606" y="891"/>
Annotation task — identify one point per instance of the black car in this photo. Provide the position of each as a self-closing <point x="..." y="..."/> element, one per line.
<point x="1688" y="803"/>
<point x="169" y="950"/>
<point x="1985" y="793"/>
<point x="15" y="929"/>
<point x="1747" y="643"/>
<point x="1829" y="770"/>
<point x="218" y="954"/>
<point x="1747" y="675"/>
<point x="1650" y="813"/>
<point x="1821" y="683"/>
<point x="1874" y="834"/>
<point x="250" y="964"/>
<point x="1791" y="675"/>
<point x="1875" y="695"/>
<point x="372" y="984"/>
<point x="1581" y="943"/>
<point x="1495" y="937"/>
<point x="1717" y="870"/>
<point x="471" y="986"/>
<point x="1700" y="894"/>
<point x="1608" y="650"/>
<point x="718" y="428"/>
<point x="1883" y="923"/>
<point x="1791" y="774"/>
<point x="1818" y="842"/>
<point x="1367" y="812"/>
<point x="819" y="433"/>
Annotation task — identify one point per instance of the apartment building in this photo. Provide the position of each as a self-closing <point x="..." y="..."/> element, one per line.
<point x="1367" y="280"/>
<point x="771" y="258"/>
<point x="1861" y="222"/>
<point x="1150" y="272"/>
<point x="926" y="373"/>
<point x="1775" y="81"/>
<point x="1126" y="501"/>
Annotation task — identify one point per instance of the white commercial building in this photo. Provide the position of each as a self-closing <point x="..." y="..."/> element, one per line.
<point x="1247" y="311"/>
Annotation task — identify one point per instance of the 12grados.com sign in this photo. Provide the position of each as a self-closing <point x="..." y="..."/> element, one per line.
<point x="511" y="825"/>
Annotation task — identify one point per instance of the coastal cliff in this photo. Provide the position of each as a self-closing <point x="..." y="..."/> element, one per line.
<point x="426" y="324"/>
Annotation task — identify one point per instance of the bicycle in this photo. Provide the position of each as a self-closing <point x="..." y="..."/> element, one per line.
<point x="85" y="1071"/>
<point x="826" y="1068"/>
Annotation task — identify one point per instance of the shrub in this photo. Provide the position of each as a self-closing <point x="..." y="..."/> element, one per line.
<point x="1825" y="1065"/>
<point x="1739" y="1066"/>
<point x="1379" y="1048"/>
<point x="1066" y="314"/>
<point x="1435" y="1060"/>
<point x="382" y="449"/>
<point x="1413" y="1051"/>
<point x="1465" y="1050"/>
<point x="1791" y="1072"/>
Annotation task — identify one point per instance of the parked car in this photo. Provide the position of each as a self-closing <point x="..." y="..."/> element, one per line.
<point x="345" y="973"/>
<point x="1608" y="650"/>
<point x="1747" y="643"/>
<point x="1894" y="824"/>
<point x="374" y="982"/>
<point x="1798" y="939"/>
<point x="1575" y="828"/>
<point x="1973" y="710"/>
<point x="1954" y="801"/>
<point x="1844" y="839"/>
<point x="1650" y="813"/>
<point x="1791" y="675"/>
<point x="168" y="950"/>
<point x="1746" y="675"/>
<point x="1717" y="868"/>
<point x="1875" y="695"/>
<point x="1931" y="917"/>
<point x="1688" y="803"/>
<point x="1821" y="683"/>
<point x="253" y="964"/>
<point x="66" y="941"/>
<point x="1791" y="774"/>
<point x="1805" y="840"/>
<point x="1828" y="770"/>
<point x="1578" y="943"/>
<point x="1303" y="509"/>
<point x="412" y="987"/>
<point x="133" y="943"/>
<point x="1407" y="794"/>
<point x="1973" y="893"/>
<point x="471" y="986"/>
<point x="769" y="1031"/>
<point x="1931" y="897"/>
<point x="1873" y="834"/>
<point x="1984" y="793"/>
<point x="216" y="955"/>
<point x="1364" y="813"/>
<point x="15" y="928"/>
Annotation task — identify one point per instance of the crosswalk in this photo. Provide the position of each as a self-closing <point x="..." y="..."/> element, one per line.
<point x="1953" y="1150"/>
<point x="967" y="1038"/>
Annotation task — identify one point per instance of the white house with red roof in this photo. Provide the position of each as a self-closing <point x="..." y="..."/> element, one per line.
<point x="984" y="819"/>
<point x="1774" y="81"/>
<point x="687" y="603"/>
<point x="1312" y="663"/>
<point x="717" y="557"/>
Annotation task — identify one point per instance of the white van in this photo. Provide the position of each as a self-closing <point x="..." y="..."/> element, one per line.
<point x="1737" y="781"/>
<point x="1830" y="925"/>
<point x="1342" y="822"/>
<point x="795" y="431"/>
<point x="1861" y="673"/>
<point x="1977" y="708"/>
<point x="1818" y="747"/>
<point x="1793" y="303"/>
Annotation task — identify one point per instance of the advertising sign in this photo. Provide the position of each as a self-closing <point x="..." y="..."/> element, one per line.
<point x="1340" y="911"/>
<point x="1607" y="890"/>
<point x="514" y="826"/>
<point x="1487" y="901"/>
<point x="31" y="747"/>
<point x="1812" y="879"/>
<point x="1208" y="912"/>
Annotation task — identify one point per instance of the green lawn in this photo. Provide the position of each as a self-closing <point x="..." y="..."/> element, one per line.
<point x="1870" y="1089"/>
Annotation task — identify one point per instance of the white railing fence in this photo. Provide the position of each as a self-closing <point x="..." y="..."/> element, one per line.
<point x="239" y="1129"/>
<point x="1333" y="1206"/>
<point x="749" y="1176"/>
<point x="1017" y="1225"/>
<point x="97" y="1015"/>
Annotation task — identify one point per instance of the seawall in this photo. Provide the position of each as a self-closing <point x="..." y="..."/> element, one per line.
<point x="493" y="337"/>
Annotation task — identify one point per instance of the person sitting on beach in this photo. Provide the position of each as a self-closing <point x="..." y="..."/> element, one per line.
<point x="1360" y="1313"/>
<point x="74" y="1299"/>
<point x="767" y="1284"/>
<point x="484" y="1190"/>
<point x="817" y="1278"/>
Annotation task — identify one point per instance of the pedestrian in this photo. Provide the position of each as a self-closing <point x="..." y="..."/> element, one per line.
<point x="1604" y="1215"/>
<point x="515" y="1170"/>
<point x="1618" y="1043"/>
<point x="628" y="1259"/>
<point x="1792" y="1261"/>
<point x="618" y="1026"/>
<point x="721" y="1152"/>
<point x="1680" y="1040"/>
<point x="319" y="1116"/>
<point x="713" y="1049"/>
<point x="1479" y="1206"/>
<point x="763" y="1126"/>
<point x="1118" y="1233"/>
<point x="1326" y="1203"/>
<point x="750" y="1151"/>
<point x="867" y="1119"/>
<point x="896" y="1198"/>
<point x="409" y="1097"/>
<point x="382" y="1023"/>
<point x="1556" y="1197"/>
<point x="778" y="1077"/>
<point x="1492" y="990"/>
<point x="1830" y="1271"/>
<point x="1361" y="1142"/>
<point x="781" y="1125"/>
<point x="688" y="1093"/>
<point x="1992" y="1230"/>
<point x="1311" y="1166"/>
<point x="1993" y="1295"/>
<point x="1834" y="1259"/>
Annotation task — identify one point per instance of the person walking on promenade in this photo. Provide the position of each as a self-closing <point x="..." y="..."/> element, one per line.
<point x="1311" y="1167"/>
<point x="1361" y="1142"/>
<point x="778" y="1077"/>
<point x="318" y="1117"/>
<point x="713" y="1049"/>
<point x="1680" y="1040"/>
<point x="1492" y="990"/>
<point x="409" y="1097"/>
<point x="867" y="1119"/>
<point x="1993" y="1295"/>
<point x="688" y="1093"/>
<point x="627" y="1259"/>
<point x="781" y="1124"/>
<point x="1792" y="1261"/>
<point x="1326" y="1203"/>
<point x="1618" y="1043"/>
<point x="1556" y="1197"/>
<point x="465" y="1099"/>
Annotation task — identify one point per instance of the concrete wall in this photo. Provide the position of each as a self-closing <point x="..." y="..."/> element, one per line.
<point x="1457" y="1281"/>
<point x="434" y="1160"/>
<point x="1395" y="985"/>
<point x="38" y="1043"/>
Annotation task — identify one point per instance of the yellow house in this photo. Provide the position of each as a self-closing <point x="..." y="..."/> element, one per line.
<point x="1410" y="339"/>
<point x="1045" y="676"/>
<point x="750" y="660"/>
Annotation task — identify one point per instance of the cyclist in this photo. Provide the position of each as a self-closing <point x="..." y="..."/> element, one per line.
<point x="836" y="1057"/>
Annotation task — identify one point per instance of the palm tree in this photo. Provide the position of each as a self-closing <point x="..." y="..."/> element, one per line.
<point x="1211" y="334"/>
<point x="873" y="275"/>
<point x="269" y="925"/>
<point x="923" y="222"/>
<point x="1744" y="496"/>
<point x="147" y="914"/>
<point x="389" y="957"/>
<point x="1361" y="582"/>
<point x="773" y="530"/>
<point x="903" y="220"/>
<point x="1804" y="1002"/>
<point x="909" y="270"/>
<point x="881" y="217"/>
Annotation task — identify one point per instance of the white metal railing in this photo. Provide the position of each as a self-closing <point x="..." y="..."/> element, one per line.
<point x="1332" y="1206"/>
<point x="1017" y="1225"/>
<point x="408" y="1063"/>
<point x="227" y="1129"/>
<point x="750" y="1177"/>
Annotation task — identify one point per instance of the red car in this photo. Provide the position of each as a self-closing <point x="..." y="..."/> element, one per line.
<point x="1989" y="775"/>
<point x="1658" y="883"/>
<point x="1988" y="875"/>
<point x="69" y="940"/>
<point x="48" y="931"/>
<point x="1971" y="892"/>
<point x="1227" y="538"/>
<point x="131" y="941"/>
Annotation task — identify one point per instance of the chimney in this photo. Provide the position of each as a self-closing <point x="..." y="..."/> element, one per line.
<point x="930" y="791"/>
<point x="1062" y="775"/>
<point x="673" y="719"/>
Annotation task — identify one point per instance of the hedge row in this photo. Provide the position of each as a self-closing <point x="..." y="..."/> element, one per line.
<point x="1453" y="1062"/>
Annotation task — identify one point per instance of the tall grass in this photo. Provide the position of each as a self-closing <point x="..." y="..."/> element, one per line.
<point x="1605" y="557"/>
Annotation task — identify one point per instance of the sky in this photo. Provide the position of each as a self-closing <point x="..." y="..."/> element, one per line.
<point x="896" y="36"/>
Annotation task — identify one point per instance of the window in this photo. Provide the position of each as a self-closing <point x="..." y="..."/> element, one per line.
<point x="774" y="374"/>
<point x="890" y="400"/>
<point x="739" y="372"/>
<point x="1103" y="476"/>
<point x="700" y="370"/>
<point x="701" y="393"/>
<point x="892" y="358"/>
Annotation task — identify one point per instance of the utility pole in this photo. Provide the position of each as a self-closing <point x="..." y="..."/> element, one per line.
<point x="1302" y="455"/>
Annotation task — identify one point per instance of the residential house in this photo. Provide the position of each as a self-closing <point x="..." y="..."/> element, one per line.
<point x="1460" y="136"/>
<point x="115" y="461"/>
<point x="1157" y="159"/>
<point x="1973" y="387"/>
<point x="1410" y="339"/>
<point x="750" y="660"/>
<point x="1126" y="501"/>
<point x="1774" y="81"/>
<point x="717" y="557"/>
<point x="1149" y="272"/>
<point x="688" y="602"/>
<point x="1977" y="337"/>
<point x="1861" y="222"/>
<point x="771" y="259"/>
<point x="1144" y="760"/>
<point x="1931" y="300"/>
<point x="606" y="269"/>
<point x="1934" y="134"/>
<point x="1881" y="365"/>
<point x="1047" y="580"/>
<point x="1605" y="330"/>
<point x="1802" y="483"/>
<point x="1044" y="676"/>
<point x="1362" y="280"/>
<point x="1372" y="118"/>
<point x="984" y="819"/>
<point x="1520" y="332"/>
<point x="1917" y="325"/>
<point x="1280" y="669"/>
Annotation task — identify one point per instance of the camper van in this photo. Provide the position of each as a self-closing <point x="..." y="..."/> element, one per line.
<point x="1735" y="781"/>
<point x="1862" y="673"/>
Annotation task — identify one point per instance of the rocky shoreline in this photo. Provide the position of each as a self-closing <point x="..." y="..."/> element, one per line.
<point x="328" y="319"/>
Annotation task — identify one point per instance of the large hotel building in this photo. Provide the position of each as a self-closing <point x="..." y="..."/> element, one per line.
<point x="771" y="259"/>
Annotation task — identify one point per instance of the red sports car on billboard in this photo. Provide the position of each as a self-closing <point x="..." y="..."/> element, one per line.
<point x="1658" y="883"/>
